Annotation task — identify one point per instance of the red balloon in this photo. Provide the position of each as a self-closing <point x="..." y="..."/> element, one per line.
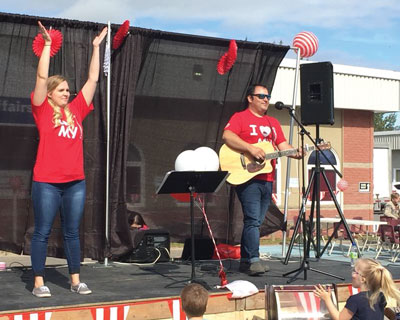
<point x="342" y="185"/>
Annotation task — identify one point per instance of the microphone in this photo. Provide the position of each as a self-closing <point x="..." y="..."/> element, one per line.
<point x="280" y="105"/>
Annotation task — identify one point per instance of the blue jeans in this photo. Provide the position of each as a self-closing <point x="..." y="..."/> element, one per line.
<point x="255" y="197"/>
<point x="48" y="199"/>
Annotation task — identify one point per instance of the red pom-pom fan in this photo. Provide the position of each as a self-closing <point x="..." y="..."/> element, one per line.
<point x="228" y="59"/>
<point x="120" y="35"/>
<point x="56" y="42"/>
<point x="342" y="185"/>
<point x="307" y="43"/>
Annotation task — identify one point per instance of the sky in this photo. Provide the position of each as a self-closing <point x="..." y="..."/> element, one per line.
<point x="352" y="32"/>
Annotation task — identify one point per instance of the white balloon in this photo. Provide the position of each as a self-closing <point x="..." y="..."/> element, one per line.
<point x="198" y="164"/>
<point x="186" y="161"/>
<point x="208" y="159"/>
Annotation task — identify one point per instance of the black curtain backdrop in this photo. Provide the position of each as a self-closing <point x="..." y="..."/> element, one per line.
<point x="126" y="66"/>
<point x="166" y="97"/>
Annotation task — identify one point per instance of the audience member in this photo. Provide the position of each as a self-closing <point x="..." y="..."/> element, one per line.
<point x="392" y="207"/>
<point x="136" y="221"/>
<point x="376" y="285"/>
<point x="194" y="301"/>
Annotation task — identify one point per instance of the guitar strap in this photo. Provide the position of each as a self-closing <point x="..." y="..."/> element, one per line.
<point x="273" y="139"/>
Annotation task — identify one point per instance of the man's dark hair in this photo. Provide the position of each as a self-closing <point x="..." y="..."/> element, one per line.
<point x="252" y="87"/>
<point x="194" y="300"/>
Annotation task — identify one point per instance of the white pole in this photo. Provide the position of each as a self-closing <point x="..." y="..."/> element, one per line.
<point x="108" y="144"/>
<point x="296" y="76"/>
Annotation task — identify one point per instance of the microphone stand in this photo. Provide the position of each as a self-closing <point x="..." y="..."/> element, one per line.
<point x="308" y="228"/>
<point x="279" y="106"/>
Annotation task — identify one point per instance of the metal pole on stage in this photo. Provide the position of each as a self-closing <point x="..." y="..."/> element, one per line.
<point x="285" y="212"/>
<point x="108" y="141"/>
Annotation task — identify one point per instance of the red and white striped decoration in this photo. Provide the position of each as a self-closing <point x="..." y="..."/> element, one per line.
<point x="32" y="316"/>
<point x="310" y="304"/>
<point x="307" y="43"/>
<point x="221" y="273"/>
<point x="353" y="290"/>
<point x="321" y="195"/>
<point x="112" y="312"/>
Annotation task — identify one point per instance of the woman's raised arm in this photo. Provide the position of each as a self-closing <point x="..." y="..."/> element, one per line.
<point x="89" y="87"/>
<point x="42" y="74"/>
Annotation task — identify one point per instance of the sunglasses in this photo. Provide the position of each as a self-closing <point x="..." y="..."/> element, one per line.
<point x="262" y="96"/>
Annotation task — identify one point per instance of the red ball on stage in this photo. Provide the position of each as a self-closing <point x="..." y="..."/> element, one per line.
<point x="342" y="185"/>
<point x="307" y="43"/>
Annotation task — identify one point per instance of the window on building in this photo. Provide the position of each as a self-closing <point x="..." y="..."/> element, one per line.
<point x="396" y="174"/>
<point x="134" y="178"/>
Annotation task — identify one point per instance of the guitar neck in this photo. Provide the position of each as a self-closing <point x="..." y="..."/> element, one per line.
<point x="284" y="153"/>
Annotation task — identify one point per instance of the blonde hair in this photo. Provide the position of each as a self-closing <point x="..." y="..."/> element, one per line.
<point x="52" y="84"/>
<point x="378" y="279"/>
<point x="394" y="195"/>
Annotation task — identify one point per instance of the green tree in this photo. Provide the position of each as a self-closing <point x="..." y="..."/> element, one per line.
<point x="385" y="121"/>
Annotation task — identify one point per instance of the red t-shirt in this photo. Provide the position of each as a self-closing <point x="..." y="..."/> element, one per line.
<point x="60" y="153"/>
<point x="253" y="129"/>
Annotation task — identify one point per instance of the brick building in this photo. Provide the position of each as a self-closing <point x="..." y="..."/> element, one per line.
<point x="358" y="94"/>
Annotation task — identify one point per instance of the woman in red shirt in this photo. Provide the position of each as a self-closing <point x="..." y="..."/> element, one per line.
<point x="58" y="175"/>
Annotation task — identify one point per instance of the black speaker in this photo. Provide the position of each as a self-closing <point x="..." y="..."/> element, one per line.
<point x="148" y="246"/>
<point x="316" y="82"/>
<point x="203" y="249"/>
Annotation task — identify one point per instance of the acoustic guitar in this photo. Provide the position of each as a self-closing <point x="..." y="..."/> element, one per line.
<point x="242" y="166"/>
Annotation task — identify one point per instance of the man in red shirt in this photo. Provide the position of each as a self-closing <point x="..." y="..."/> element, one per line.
<point x="244" y="129"/>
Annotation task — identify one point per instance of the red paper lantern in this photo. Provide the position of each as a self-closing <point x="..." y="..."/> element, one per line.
<point x="228" y="59"/>
<point x="56" y="42"/>
<point x="342" y="185"/>
<point x="307" y="43"/>
<point x="120" y="35"/>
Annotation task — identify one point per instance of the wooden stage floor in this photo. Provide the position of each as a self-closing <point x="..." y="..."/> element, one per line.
<point x="125" y="282"/>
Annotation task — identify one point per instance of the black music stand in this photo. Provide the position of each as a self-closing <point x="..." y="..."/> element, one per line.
<point x="191" y="182"/>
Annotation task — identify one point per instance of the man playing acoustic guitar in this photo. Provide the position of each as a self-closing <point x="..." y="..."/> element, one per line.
<point x="244" y="129"/>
